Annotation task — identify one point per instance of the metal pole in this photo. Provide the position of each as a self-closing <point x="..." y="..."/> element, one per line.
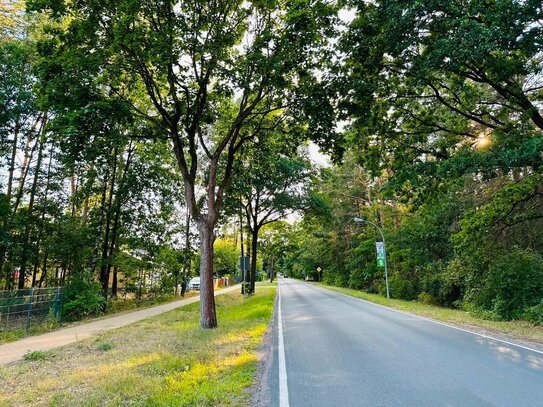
<point x="242" y="261"/>
<point x="384" y="248"/>
<point x="61" y="300"/>
<point x="29" y="309"/>
<point x="57" y="300"/>
<point x="386" y="265"/>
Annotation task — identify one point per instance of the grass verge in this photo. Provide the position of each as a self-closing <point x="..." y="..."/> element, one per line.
<point x="121" y="304"/>
<point x="116" y="306"/>
<point x="521" y="330"/>
<point x="166" y="360"/>
<point x="19" y="332"/>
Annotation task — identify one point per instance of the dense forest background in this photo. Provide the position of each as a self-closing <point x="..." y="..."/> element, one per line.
<point x="438" y="138"/>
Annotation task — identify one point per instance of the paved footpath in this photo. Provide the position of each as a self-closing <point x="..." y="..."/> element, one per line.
<point x="13" y="351"/>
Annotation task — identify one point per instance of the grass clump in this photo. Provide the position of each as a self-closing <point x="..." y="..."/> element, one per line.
<point x="105" y="346"/>
<point x="35" y="355"/>
<point x="166" y="360"/>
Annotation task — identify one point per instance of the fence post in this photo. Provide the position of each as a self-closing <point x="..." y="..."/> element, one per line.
<point x="61" y="302"/>
<point x="57" y="299"/>
<point x="29" y="308"/>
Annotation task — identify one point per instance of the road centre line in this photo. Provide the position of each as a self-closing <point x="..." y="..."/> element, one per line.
<point x="429" y="320"/>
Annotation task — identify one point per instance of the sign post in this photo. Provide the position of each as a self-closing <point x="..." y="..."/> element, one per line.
<point x="244" y="266"/>
<point x="381" y="249"/>
<point x="382" y="260"/>
<point x="380" y="254"/>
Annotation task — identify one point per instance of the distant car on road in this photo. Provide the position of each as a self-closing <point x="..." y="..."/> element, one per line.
<point x="194" y="283"/>
<point x="309" y="278"/>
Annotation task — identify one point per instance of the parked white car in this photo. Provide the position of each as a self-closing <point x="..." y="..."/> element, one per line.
<point x="194" y="283"/>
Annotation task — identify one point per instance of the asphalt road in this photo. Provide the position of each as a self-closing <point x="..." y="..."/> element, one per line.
<point x="340" y="351"/>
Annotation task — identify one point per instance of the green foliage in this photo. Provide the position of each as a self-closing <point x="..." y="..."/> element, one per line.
<point x="443" y="104"/>
<point x="82" y="298"/>
<point x="515" y="206"/>
<point x="513" y="284"/>
<point x="35" y="355"/>
<point x="105" y="346"/>
<point x="534" y="314"/>
<point x="225" y="257"/>
<point x="440" y="287"/>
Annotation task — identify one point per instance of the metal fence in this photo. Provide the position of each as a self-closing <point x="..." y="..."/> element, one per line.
<point x="22" y="309"/>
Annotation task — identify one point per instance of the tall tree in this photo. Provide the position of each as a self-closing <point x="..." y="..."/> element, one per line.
<point x="180" y="65"/>
<point x="273" y="182"/>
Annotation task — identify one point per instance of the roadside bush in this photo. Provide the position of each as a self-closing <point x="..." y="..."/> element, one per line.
<point x="357" y="279"/>
<point x="363" y="278"/>
<point x="535" y="314"/>
<point x="426" y="298"/>
<point x="513" y="283"/>
<point x="441" y="287"/>
<point x="341" y="280"/>
<point x="82" y="298"/>
<point x="402" y="288"/>
<point x="480" y="312"/>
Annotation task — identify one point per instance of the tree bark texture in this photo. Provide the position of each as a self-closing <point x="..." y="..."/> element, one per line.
<point x="208" y="315"/>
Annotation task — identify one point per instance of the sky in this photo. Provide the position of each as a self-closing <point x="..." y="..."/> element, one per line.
<point x="317" y="158"/>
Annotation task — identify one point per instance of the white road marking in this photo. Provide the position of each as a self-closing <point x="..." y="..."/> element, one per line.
<point x="283" y="384"/>
<point x="431" y="320"/>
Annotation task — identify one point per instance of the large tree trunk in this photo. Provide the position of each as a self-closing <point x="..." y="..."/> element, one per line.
<point x="114" y="284"/>
<point x="115" y="228"/>
<point x="42" y="220"/>
<point x="186" y="257"/>
<point x="105" y="182"/>
<point x="208" y="316"/>
<point x="11" y="170"/>
<point x="28" y="156"/>
<point x="44" y="269"/>
<point x="29" y="220"/>
<point x="104" y="269"/>
<point x="254" y="249"/>
<point x="13" y="158"/>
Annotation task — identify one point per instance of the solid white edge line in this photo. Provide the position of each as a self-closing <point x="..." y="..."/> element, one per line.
<point x="430" y="320"/>
<point x="283" y="383"/>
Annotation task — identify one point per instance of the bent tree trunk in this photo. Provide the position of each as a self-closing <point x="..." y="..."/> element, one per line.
<point x="208" y="316"/>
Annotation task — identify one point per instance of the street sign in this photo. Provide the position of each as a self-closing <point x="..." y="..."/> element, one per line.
<point x="380" y="250"/>
<point x="244" y="263"/>
<point x="380" y="246"/>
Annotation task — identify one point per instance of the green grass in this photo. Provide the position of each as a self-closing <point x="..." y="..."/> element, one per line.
<point x="522" y="330"/>
<point x="115" y="306"/>
<point x="14" y="334"/>
<point x="35" y="355"/>
<point x="104" y="346"/>
<point x="121" y="304"/>
<point x="167" y="360"/>
<point x="267" y="283"/>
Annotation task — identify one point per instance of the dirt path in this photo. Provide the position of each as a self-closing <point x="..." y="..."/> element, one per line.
<point x="10" y="352"/>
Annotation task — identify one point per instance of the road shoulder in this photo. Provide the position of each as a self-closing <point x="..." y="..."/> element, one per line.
<point x="260" y="392"/>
